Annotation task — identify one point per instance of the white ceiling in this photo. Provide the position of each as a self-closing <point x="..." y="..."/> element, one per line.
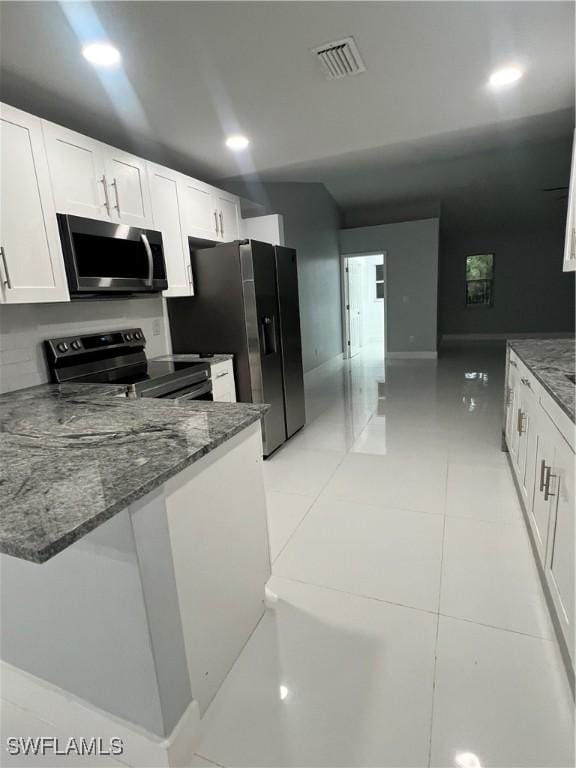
<point x="194" y="72"/>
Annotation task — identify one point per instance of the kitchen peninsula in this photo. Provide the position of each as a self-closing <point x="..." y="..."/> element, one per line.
<point x="135" y="546"/>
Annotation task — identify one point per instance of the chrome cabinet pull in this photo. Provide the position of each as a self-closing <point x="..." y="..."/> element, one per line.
<point x="221" y="223"/>
<point x="508" y="396"/>
<point x="189" y="267"/>
<point x="6" y="278"/>
<point x="224" y="373"/>
<point x="542" y="474"/>
<point x="106" y="196"/>
<point x="116" y="195"/>
<point x="547" y="492"/>
<point x="519" y="422"/>
<point x="216" y="220"/>
<point x="526" y="382"/>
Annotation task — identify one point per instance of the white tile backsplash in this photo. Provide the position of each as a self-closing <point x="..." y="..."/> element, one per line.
<point x="23" y="328"/>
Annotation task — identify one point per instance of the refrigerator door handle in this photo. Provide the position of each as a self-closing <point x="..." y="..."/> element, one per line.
<point x="268" y="328"/>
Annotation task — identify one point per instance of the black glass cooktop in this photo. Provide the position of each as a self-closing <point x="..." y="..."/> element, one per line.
<point x="147" y="371"/>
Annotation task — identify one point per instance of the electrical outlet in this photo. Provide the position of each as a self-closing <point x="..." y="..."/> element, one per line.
<point x="156" y="328"/>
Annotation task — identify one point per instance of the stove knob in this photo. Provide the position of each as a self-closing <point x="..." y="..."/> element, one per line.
<point x="76" y="344"/>
<point x="62" y="347"/>
<point x="128" y="336"/>
<point x="137" y="335"/>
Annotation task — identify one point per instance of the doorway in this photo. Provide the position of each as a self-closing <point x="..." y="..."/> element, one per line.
<point x="364" y="291"/>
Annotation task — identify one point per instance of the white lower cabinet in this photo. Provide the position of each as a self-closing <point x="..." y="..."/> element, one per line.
<point x="543" y="459"/>
<point x="559" y="566"/>
<point x="31" y="263"/>
<point x="223" y="386"/>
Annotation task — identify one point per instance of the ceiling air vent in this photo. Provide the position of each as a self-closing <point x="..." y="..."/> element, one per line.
<point x="340" y="58"/>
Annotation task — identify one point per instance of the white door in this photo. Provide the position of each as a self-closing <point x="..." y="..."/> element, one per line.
<point x="198" y="214"/>
<point x="354" y="305"/>
<point x="77" y="173"/>
<point x="228" y="216"/>
<point x="560" y="556"/>
<point x="128" y="188"/>
<point x="166" y="219"/>
<point x="31" y="264"/>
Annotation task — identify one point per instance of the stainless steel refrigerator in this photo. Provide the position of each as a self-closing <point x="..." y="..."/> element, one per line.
<point x="246" y="302"/>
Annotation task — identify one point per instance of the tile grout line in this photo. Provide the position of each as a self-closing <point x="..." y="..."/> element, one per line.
<point x="438" y="618"/>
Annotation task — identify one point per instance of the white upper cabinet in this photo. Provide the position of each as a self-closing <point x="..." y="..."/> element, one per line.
<point x="31" y="264"/>
<point x="164" y="191"/>
<point x="228" y="213"/>
<point x="77" y="173"/>
<point x="95" y="180"/>
<point x="128" y="182"/>
<point x="198" y="212"/>
<point x="570" y="241"/>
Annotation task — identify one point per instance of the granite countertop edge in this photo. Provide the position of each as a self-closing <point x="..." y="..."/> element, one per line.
<point x="43" y="554"/>
<point x="519" y="348"/>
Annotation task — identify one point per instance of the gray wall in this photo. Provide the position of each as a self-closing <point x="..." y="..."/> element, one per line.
<point x="23" y="328"/>
<point x="412" y="279"/>
<point x="531" y="293"/>
<point x="311" y="222"/>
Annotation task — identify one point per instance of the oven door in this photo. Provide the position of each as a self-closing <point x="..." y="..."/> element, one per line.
<point x="196" y="392"/>
<point x="102" y="257"/>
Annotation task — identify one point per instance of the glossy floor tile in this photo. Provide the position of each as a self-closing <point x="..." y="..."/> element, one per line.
<point x="500" y="699"/>
<point x="327" y="680"/>
<point x="481" y="492"/>
<point x="373" y="551"/>
<point x="285" y="512"/>
<point x="395" y="494"/>
<point x="511" y="597"/>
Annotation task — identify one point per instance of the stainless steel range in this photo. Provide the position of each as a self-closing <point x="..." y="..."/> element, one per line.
<point x="119" y="357"/>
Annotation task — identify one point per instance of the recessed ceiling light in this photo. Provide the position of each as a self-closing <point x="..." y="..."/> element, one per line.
<point x="505" y="76"/>
<point x="237" y="143"/>
<point x="101" y="54"/>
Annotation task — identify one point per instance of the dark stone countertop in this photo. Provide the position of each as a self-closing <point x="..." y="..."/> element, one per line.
<point x="73" y="456"/>
<point x="551" y="360"/>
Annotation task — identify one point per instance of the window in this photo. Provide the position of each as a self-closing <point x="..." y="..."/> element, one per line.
<point x="379" y="280"/>
<point x="480" y="280"/>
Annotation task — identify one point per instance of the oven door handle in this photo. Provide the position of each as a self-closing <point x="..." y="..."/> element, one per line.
<point x="148" y="249"/>
<point x="191" y="393"/>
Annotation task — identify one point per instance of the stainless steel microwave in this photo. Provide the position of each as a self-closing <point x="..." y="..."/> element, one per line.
<point x="106" y="258"/>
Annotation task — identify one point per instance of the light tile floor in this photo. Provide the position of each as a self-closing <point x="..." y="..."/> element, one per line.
<point x="406" y="624"/>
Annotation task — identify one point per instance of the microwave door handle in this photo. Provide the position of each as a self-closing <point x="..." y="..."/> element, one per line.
<point x="144" y="238"/>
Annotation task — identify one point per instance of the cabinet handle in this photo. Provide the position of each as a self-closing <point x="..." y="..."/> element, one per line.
<point x="513" y="363"/>
<point x="220" y="375"/>
<point x="547" y="492"/>
<point x="520" y="423"/>
<point x="6" y="278"/>
<point x="189" y="267"/>
<point x="526" y="382"/>
<point x="543" y="469"/>
<point x="216" y="221"/>
<point x="221" y="223"/>
<point x="116" y="195"/>
<point x="508" y="396"/>
<point x="573" y="244"/>
<point x="106" y="196"/>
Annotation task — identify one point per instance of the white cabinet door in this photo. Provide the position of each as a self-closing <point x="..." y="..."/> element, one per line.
<point x="570" y="240"/>
<point x="166" y="219"/>
<point x="77" y="172"/>
<point x="198" y="214"/>
<point x="223" y="385"/>
<point x="228" y="211"/>
<point x="560" y="555"/>
<point x="539" y="510"/>
<point x="128" y="188"/>
<point x="31" y="264"/>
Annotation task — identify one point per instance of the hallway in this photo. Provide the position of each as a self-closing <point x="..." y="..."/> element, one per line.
<point x="406" y="625"/>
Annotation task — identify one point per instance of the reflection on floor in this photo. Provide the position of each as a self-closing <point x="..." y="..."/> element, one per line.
<point x="406" y="624"/>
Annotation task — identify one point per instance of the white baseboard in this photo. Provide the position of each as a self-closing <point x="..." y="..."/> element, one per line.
<point x="412" y="355"/>
<point x="77" y="718"/>
<point x="325" y="367"/>
<point x="504" y="336"/>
